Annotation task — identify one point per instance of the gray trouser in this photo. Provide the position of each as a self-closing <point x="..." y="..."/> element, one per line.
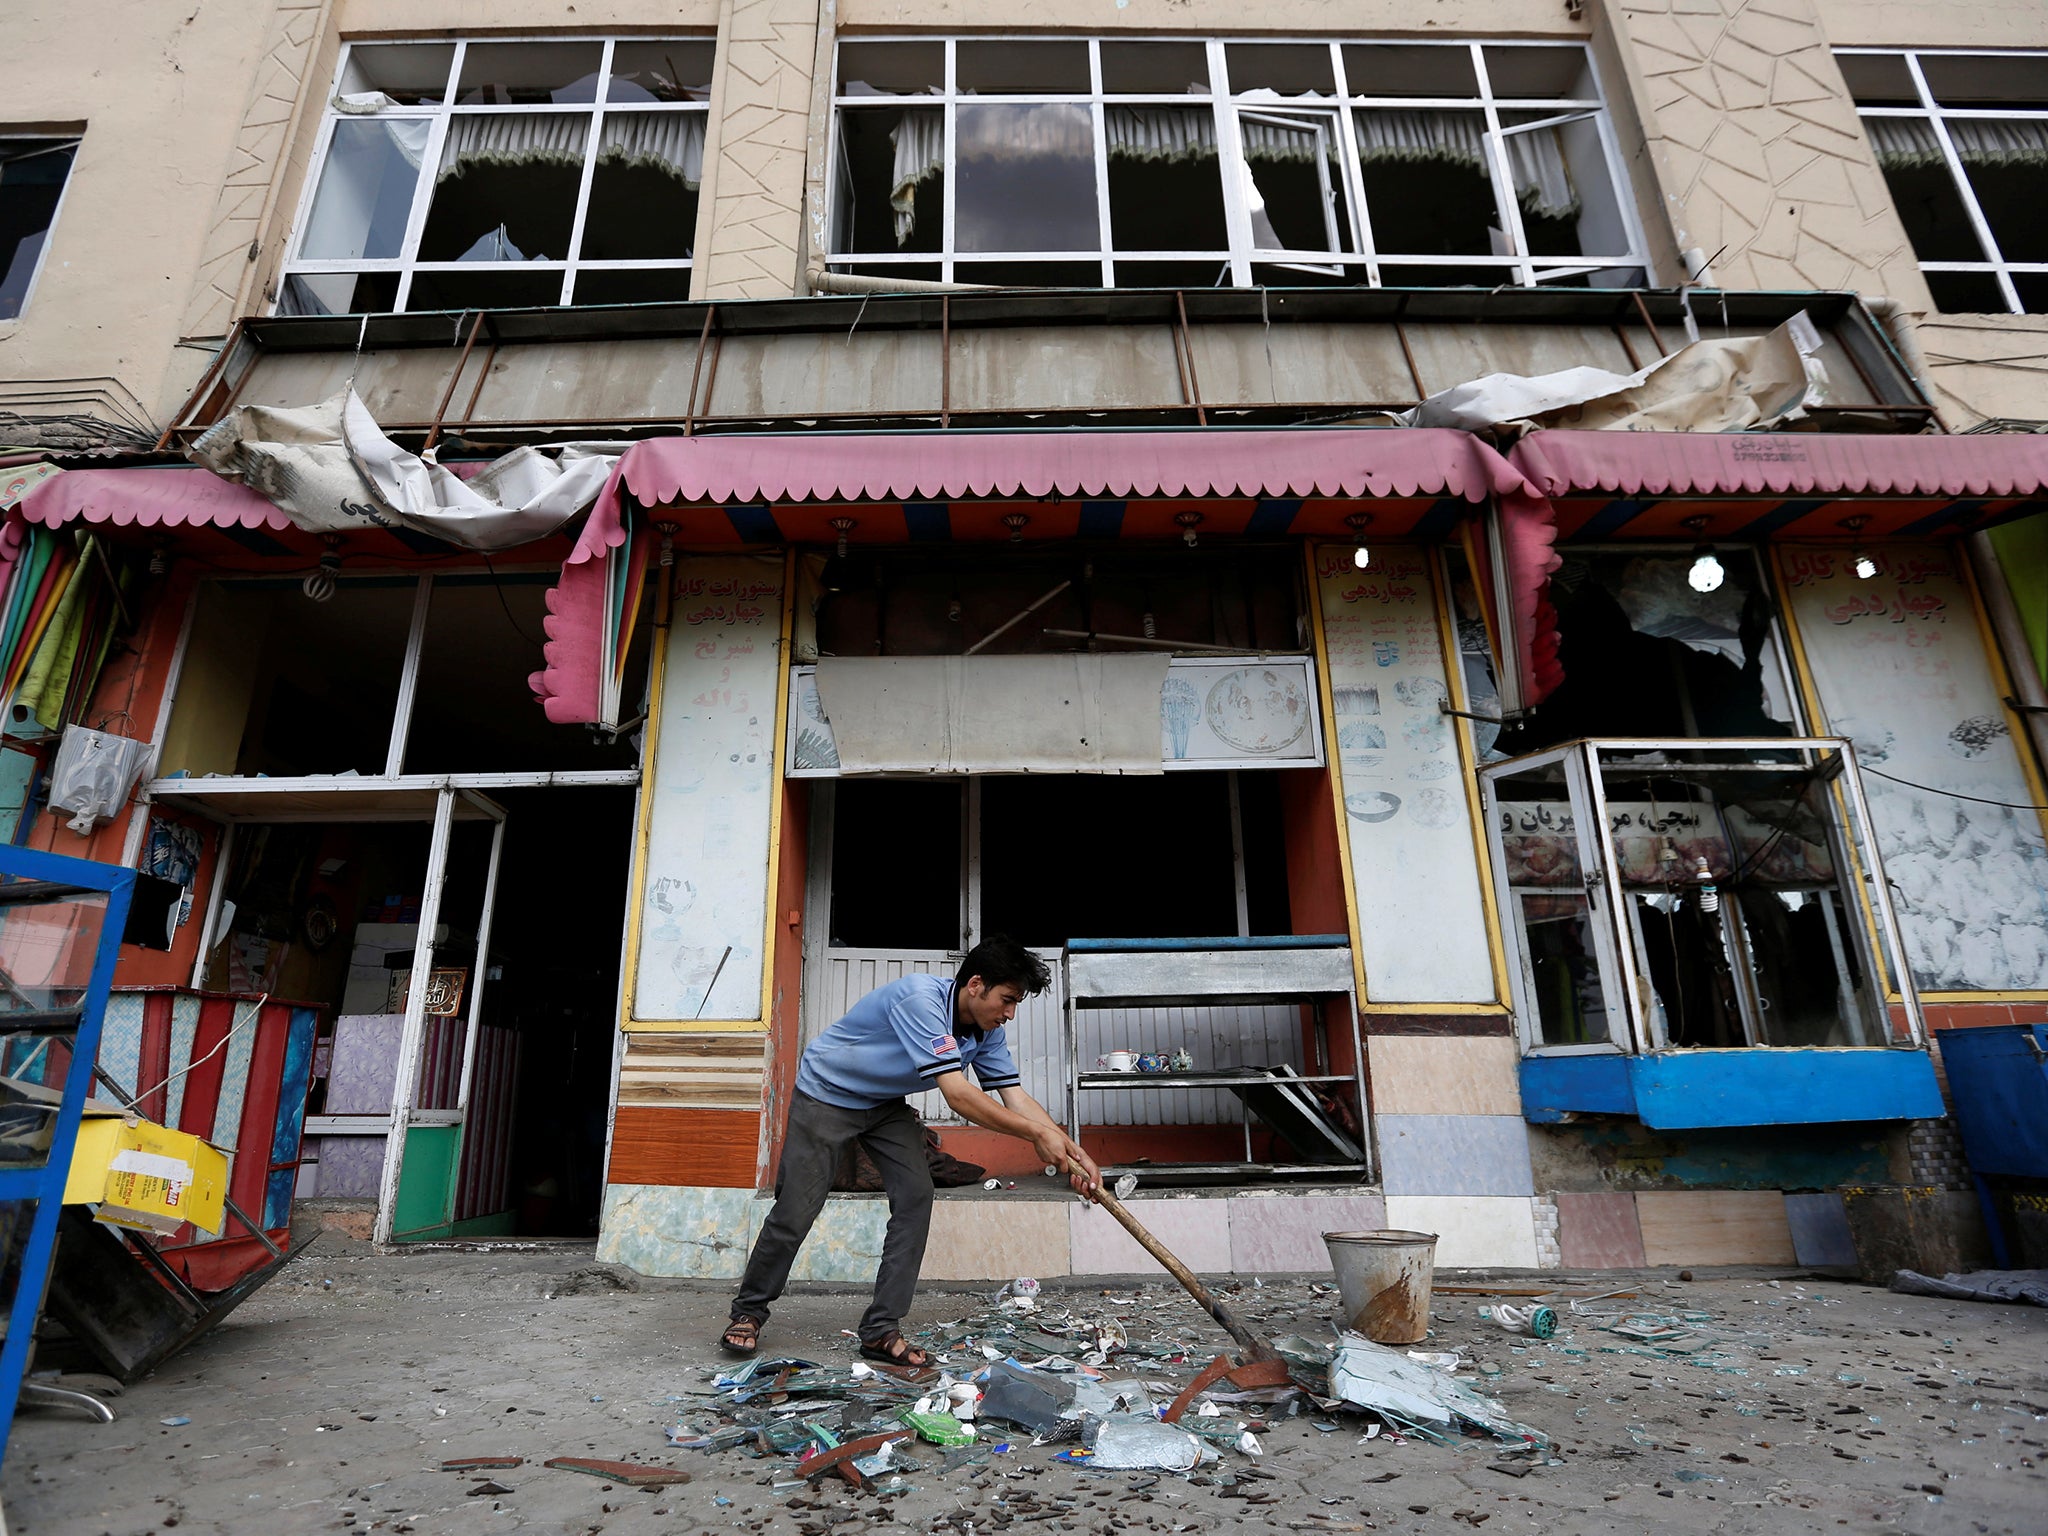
<point x="816" y="1139"/>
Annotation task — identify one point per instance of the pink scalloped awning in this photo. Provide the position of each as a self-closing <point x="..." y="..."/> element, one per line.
<point x="947" y="466"/>
<point x="169" y="497"/>
<point x="1784" y="463"/>
<point x="1353" y="462"/>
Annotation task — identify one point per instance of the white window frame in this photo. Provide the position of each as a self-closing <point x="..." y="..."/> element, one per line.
<point x="55" y="140"/>
<point x="406" y="264"/>
<point x="1362" y="260"/>
<point x="1937" y="117"/>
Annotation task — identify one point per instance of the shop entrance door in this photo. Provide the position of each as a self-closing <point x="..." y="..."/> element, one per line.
<point x="423" y="1147"/>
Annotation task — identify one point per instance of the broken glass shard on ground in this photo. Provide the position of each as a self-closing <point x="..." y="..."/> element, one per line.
<point x="1387" y="1382"/>
<point x="1030" y="1399"/>
<point x="1132" y="1441"/>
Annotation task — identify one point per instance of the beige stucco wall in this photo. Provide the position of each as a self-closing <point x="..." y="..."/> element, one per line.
<point x="1756" y="149"/>
<point x="159" y="90"/>
<point x="1923" y="24"/>
<point x="201" y="121"/>
<point x="1981" y="366"/>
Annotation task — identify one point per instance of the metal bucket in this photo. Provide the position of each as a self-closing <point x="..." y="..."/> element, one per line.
<point x="1383" y="1279"/>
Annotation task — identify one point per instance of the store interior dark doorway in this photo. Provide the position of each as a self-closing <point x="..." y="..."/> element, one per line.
<point x="555" y="949"/>
<point x="326" y="913"/>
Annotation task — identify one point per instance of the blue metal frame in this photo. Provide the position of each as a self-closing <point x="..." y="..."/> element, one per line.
<point x="45" y="1186"/>
<point x="1745" y="1086"/>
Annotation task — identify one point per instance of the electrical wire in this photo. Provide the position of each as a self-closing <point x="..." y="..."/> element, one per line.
<point x="1953" y="794"/>
<point x="255" y="1009"/>
<point x="499" y="587"/>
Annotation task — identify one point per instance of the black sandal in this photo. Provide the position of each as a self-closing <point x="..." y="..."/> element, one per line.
<point x="742" y="1337"/>
<point x="893" y="1349"/>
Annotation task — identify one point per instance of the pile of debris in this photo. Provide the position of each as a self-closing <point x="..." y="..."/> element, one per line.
<point x="1022" y="1374"/>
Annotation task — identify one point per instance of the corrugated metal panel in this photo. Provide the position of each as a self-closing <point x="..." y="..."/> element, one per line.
<point x="1218" y="1037"/>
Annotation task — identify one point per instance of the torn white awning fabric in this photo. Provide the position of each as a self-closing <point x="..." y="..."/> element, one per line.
<point x="330" y="469"/>
<point x="994" y="714"/>
<point x="1732" y="384"/>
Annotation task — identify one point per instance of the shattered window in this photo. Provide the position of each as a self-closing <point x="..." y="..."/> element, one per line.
<point x="484" y="175"/>
<point x="1185" y="163"/>
<point x="1646" y="653"/>
<point x="1962" y="140"/>
<point x="32" y="176"/>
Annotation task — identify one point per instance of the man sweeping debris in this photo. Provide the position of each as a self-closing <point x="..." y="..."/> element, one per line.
<point x="851" y="1085"/>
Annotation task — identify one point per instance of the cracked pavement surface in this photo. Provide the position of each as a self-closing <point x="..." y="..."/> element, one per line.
<point x="329" y="1401"/>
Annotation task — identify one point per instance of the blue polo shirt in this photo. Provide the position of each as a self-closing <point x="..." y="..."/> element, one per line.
<point x="899" y="1040"/>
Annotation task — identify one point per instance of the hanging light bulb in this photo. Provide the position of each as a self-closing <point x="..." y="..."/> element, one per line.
<point x="1706" y="574"/>
<point x="320" y="584"/>
<point x="1860" y="562"/>
<point x="1357" y="523"/>
<point x="843" y="526"/>
<point x="1189" y="522"/>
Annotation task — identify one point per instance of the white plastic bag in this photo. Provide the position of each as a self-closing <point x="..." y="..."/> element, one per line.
<point x="93" y="774"/>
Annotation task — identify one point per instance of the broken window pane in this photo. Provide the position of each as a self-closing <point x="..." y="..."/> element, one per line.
<point x="294" y="686"/>
<point x="918" y="874"/>
<point x="1428" y="183"/>
<point x="1293" y="181"/>
<point x="366" y="189"/>
<point x="902" y="272"/>
<point x="1924" y="192"/>
<point x="410" y="74"/>
<point x="484" y="290"/>
<point x="1563" y="968"/>
<point x="1543" y="73"/>
<point x="1165" y="180"/>
<point x="1808" y="980"/>
<point x="1987" y="79"/>
<point x="472" y="707"/>
<point x="1417" y="275"/>
<point x="1394" y="69"/>
<point x="1967" y="293"/>
<point x="1029" y="274"/>
<point x="1568" y="202"/>
<point x="1109" y="825"/>
<point x="2033" y="291"/>
<point x="338" y="293"/>
<point x="1281" y="274"/>
<point x="663" y="71"/>
<point x="891" y="69"/>
<point x="32" y="175"/>
<point x="506" y="188"/>
<point x="1155" y="69"/>
<point x="1290" y="69"/>
<point x="660" y="285"/>
<point x="1026" y="178"/>
<point x="1021" y="69"/>
<point x="2007" y="163"/>
<point x="1878" y="79"/>
<point x="890" y="182"/>
<point x="1173" y="274"/>
<point x="529" y="74"/>
<point x="643" y="190"/>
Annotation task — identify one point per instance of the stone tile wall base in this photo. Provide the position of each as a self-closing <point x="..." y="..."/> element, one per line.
<point x="706" y="1234"/>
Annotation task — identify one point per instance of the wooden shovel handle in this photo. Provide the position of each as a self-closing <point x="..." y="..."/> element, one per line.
<point x="1255" y="1347"/>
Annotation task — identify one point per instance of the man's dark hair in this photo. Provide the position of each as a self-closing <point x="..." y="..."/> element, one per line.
<point x="1002" y="961"/>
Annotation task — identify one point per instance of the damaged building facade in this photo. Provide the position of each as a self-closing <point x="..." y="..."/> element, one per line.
<point x="1471" y="575"/>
